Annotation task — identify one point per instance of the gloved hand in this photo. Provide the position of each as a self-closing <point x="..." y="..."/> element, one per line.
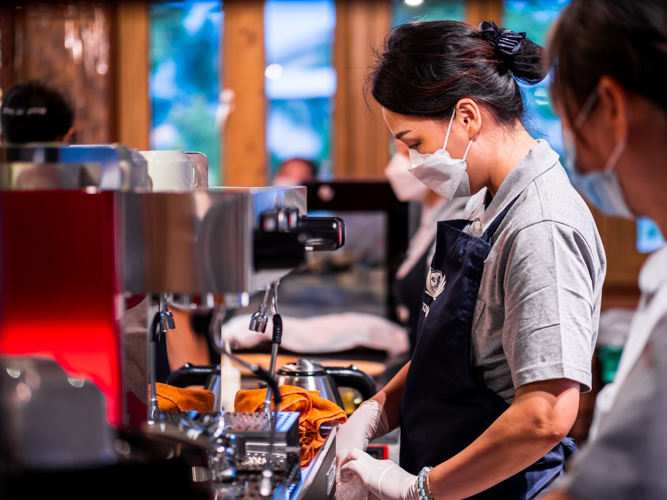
<point x="367" y="423"/>
<point x="383" y="478"/>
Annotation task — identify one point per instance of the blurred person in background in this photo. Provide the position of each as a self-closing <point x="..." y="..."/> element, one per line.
<point x="610" y="67"/>
<point x="411" y="274"/>
<point x="295" y="172"/>
<point x="34" y="112"/>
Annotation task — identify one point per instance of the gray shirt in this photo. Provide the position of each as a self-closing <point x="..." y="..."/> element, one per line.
<point x="538" y="306"/>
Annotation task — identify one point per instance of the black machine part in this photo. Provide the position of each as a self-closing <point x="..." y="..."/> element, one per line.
<point x="282" y="237"/>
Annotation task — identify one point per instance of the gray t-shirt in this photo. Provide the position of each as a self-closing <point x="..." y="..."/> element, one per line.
<point x="538" y="306"/>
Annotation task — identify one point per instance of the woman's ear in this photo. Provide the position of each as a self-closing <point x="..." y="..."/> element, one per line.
<point x="469" y="116"/>
<point x="615" y="106"/>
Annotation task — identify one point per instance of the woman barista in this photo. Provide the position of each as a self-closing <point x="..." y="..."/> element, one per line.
<point x="410" y="276"/>
<point x="511" y="304"/>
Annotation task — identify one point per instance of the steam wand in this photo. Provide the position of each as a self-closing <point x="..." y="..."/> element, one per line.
<point x="275" y="341"/>
<point x="163" y="321"/>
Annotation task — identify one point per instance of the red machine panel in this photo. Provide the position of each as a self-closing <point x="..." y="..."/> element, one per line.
<point x="60" y="284"/>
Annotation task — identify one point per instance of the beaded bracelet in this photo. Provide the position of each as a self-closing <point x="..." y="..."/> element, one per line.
<point x="423" y="484"/>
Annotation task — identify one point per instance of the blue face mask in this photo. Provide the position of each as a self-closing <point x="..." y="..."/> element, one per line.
<point x="600" y="187"/>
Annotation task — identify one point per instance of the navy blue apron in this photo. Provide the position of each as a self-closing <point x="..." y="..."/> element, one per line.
<point x="406" y="291"/>
<point x="443" y="409"/>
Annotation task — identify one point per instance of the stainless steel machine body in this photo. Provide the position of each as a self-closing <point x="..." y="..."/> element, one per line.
<point x="117" y="167"/>
<point x="230" y="241"/>
<point x="202" y="241"/>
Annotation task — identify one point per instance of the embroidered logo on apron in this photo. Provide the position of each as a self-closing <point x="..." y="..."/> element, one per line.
<point x="435" y="283"/>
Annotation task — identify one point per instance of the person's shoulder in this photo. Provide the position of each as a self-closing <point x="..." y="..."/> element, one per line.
<point x="552" y="210"/>
<point x="556" y="200"/>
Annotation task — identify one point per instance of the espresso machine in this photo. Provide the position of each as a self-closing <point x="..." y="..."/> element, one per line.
<point x="80" y="232"/>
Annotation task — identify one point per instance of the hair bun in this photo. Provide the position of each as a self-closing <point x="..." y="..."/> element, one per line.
<point x="524" y="58"/>
<point x="506" y="41"/>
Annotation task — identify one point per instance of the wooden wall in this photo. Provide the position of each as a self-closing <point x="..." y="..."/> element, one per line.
<point x="243" y="62"/>
<point x="478" y="11"/>
<point x="619" y="238"/>
<point x="131" y="42"/>
<point x="361" y="138"/>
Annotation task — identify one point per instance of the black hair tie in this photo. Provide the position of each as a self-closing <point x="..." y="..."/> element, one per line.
<point x="506" y="41"/>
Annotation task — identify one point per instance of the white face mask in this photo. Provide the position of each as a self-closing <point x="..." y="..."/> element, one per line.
<point x="440" y="172"/>
<point x="600" y="187"/>
<point x="404" y="184"/>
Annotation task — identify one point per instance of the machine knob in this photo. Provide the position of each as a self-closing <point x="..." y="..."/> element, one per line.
<point x="281" y="219"/>
<point x="258" y="321"/>
<point x="166" y="321"/>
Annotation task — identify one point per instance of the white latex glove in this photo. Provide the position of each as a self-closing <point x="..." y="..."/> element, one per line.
<point x="383" y="478"/>
<point x="367" y="423"/>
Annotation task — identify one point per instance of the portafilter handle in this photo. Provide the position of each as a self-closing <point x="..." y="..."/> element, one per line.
<point x="323" y="233"/>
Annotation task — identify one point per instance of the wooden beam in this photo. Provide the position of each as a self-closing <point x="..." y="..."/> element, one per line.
<point x="243" y="62"/>
<point x="361" y="138"/>
<point x="478" y="11"/>
<point x="133" y="106"/>
<point x="7" y="23"/>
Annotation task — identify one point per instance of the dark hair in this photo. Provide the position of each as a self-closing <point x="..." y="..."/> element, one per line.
<point x="34" y="112"/>
<point x="312" y="166"/>
<point x="623" y="39"/>
<point x="424" y="69"/>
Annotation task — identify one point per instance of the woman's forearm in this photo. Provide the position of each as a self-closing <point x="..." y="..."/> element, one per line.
<point x="390" y="397"/>
<point x="558" y="494"/>
<point x="524" y="433"/>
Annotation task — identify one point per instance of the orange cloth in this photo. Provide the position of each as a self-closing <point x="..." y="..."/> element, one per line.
<point x="170" y="398"/>
<point x="314" y="411"/>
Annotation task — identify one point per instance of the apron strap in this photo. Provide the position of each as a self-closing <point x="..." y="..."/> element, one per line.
<point x="499" y="220"/>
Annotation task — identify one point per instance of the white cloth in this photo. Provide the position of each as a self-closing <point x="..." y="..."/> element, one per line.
<point x="428" y="227"/>
<point x="327" y="333"/>
<point x="652" y="307"/>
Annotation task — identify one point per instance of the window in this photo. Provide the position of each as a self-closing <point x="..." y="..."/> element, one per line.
<point x="300" y="81"/>
<point x="535" y="18"/>
<point x="184" y="81"/>
<point x="427" y="10"/>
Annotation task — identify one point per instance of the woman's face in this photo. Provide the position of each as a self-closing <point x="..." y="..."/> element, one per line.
<point x="426" y="135"/>
<point x="602" y="138"/>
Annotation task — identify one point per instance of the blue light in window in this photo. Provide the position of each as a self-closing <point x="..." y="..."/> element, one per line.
<point x="300" y="80"/>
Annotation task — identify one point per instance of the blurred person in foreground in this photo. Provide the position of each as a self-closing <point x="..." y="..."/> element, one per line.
<point x="610" y="67"/>
<point x="295" y="172"/>
<point x="34" y="112"/>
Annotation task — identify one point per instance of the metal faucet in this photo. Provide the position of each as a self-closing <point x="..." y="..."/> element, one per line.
<point x="275" y="341"/>
<point x="162" y="323"/>
<point x="259" y="319"/>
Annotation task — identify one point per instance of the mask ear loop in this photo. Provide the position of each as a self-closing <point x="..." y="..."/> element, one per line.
<point x="467" y="149"/>
<point x="618" y="150"/>
<point x="449" y="129"/>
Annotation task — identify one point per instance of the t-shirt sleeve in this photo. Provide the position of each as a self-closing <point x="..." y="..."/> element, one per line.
<point x="550" y="305"/>
<point x="628" y="457"/>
